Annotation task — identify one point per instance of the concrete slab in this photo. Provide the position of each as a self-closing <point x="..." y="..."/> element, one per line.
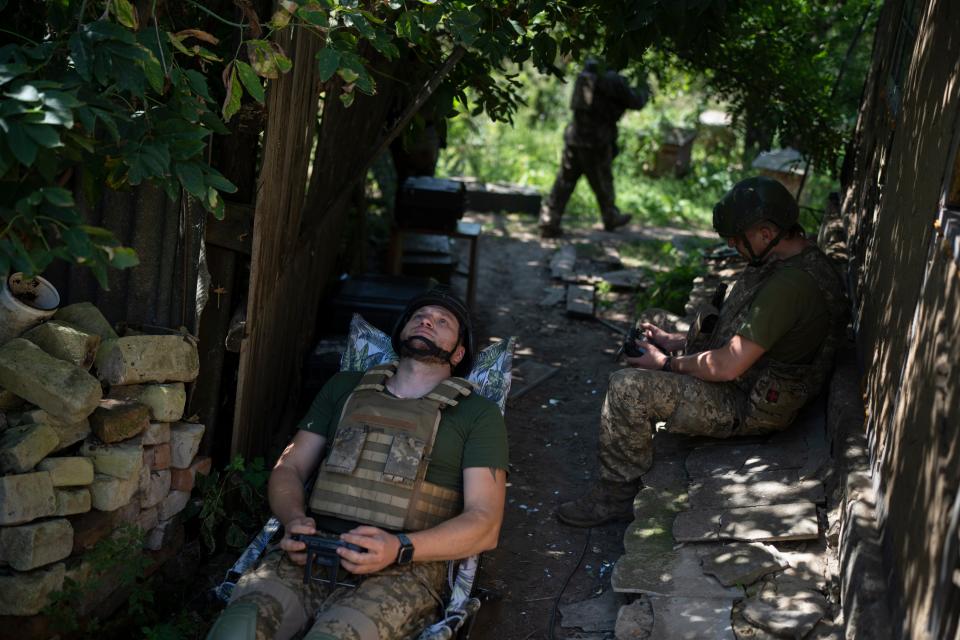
<point x="635" y="620"/>
<point x="666" y="474"/>
<point x="791" y="617"/>
<point x="742" y="458"/>
<point x="741" y="564"/>
<point x="677" y="573"/>
<point x="773" y="523"/>
<point x="697" y="526"/>
<point x="593" y="614"/>
<point x="733" y="490"/>
<point x="691" y="619"/>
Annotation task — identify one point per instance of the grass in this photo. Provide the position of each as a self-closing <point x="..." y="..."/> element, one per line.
<point x="528" y="153"/>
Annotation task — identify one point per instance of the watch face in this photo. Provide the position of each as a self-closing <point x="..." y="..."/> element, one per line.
<point x="406" y="555"/>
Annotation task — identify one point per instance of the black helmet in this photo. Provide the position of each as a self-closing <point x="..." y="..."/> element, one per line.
<point x="441" y="297"/>
<point x="751" y="201"/>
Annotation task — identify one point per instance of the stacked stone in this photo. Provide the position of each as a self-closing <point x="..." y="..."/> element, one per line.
<point x="77" y="462"/>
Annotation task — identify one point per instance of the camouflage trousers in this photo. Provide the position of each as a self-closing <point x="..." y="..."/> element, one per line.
<point x="596" y="163"/>
<point x="391" y="604"/>
<point x="638" y="398"/>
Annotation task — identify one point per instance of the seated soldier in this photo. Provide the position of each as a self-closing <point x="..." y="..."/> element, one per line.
<point x="415" y="476"/>
<point x="768" y="354"/>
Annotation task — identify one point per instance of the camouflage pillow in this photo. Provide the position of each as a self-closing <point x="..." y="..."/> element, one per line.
<point x="367" y="346"/>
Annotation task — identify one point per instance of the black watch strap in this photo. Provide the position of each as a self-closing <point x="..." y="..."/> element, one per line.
<point x="405" y="554"/>
<point x="668" y="364"/>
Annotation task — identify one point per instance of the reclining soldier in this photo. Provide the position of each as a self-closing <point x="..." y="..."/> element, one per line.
<point x="415" y="475"/>
<point x="768" y="354"/>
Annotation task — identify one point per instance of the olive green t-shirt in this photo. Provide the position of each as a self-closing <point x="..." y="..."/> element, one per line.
<point x="789" y="317"/>
<point x="471" y="434"/>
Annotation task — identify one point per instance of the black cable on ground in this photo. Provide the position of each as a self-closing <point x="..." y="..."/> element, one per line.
<point x="566" y="583"/>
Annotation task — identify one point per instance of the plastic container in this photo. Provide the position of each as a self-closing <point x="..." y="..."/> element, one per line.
<point x="24" y="304"/>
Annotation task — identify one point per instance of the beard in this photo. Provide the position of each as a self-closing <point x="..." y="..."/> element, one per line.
<point x="424" y="350"/>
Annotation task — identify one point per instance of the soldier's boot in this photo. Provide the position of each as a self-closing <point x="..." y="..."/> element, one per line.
<point x="616" y="221"/>
<point x="550" y="231"/>
<point x="606" y="501"/>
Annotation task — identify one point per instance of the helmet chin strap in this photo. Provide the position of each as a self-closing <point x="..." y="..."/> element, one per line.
<point x="430" y="350"/>
<point x="757" y="260"/>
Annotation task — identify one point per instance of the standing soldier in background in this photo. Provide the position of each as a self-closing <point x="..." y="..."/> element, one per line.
<point x="590" y="145"/>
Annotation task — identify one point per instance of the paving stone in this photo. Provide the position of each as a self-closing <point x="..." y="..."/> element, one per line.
<point x="741" y="458"/>
<point x="666" y="474"/>
<point x="21" y="448"/>
<point x="61" y="388"/>
<point x="784" y="616"/>
<point x="118" y="420"/>
<point x="741" y="564"/>
<point x="154" y="487"/>
<point x="25" y="497"/>
<point x="68" y="471"/>
<point x="72" y="501"/>
<point x="731" y="489"/>
<point x="691" y="619"/>
<point x="634" y="621"/>
<point x="771" y="523"/>
<point x="626" y="279"/>
<point x="592" y="614"/>
<point x="87" y="317"/>
<point x="66" y="342"/>
<point x="34" y="545"/>
<point x="139" y="359"/>
<point x="674" y="573"/>
<point x="122" y="460"/>
<point x="744" y="630"/>
<point x="580" y="300"/>
<point x="562" y="262"/>
<point x="779" y="522"/>
<point x="654" y="510"/>
<point x="166" y="401"/>
<point x="109" y="493"/>
<point x="184" y="443"/>
<point x="702" y="525"/>
<point x="157" y="433"/>
<point x="25" y="594"/>
<point x="148" y="519"/>
<point x="185" y="479"/>
<point x="174" y="503"/>
<point x="157" y="457"/>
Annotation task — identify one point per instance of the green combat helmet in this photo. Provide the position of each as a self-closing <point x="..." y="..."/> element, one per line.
<point x="754" y="200"/>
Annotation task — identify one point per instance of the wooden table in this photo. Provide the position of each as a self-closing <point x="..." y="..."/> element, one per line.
<point x="469" y="231"/>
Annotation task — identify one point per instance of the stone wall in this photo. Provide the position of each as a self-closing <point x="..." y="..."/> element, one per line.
<point x="906" y="285"/>
<point x="91" y="439"/>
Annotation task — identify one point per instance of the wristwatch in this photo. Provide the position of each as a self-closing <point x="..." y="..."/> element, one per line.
<point x="667" y="364"/>
<point x="405" y="554"/>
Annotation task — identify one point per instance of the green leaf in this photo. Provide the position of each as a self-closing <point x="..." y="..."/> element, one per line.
<point x="346" y="99"/>
<point x="154" y="72"/>
<point x="191" y="177"/>
<point x="216" y="180"/>
<point x="10" y="71"/>
<point x="43" y="134"/>
<point x="250" y="81"/>
<point x="198" y="84"/>
<point x="123" y="258"/>
<point x="57" y="196"/>
<point x="328" y="60"/>
<point x="231" y="103"/>
<point x="126" y="14"/>
<point x="24" y="149"/>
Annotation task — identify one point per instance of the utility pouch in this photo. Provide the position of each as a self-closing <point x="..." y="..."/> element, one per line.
<point x="347" y="446"/>
<point x="404" y="458"/>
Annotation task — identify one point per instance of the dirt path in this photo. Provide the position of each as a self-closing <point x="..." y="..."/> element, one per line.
<point x="552" y="431"/>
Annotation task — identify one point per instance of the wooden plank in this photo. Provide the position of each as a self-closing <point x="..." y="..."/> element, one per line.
<point x="580" y="300"/>
<point x="235" y="231"/>
<point x="561" y="264"/>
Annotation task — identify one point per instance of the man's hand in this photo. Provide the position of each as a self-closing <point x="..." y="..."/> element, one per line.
<point x="382" y="549"/>
<point x="295" y="549"/>
<point x="652" y="359"/>
<point x="663" y="339"/>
